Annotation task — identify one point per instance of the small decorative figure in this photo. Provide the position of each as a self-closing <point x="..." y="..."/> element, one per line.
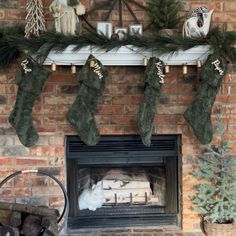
<point x="92" y="198"/>
<point x="66" y="17"/>
<point x="198" y="23"/>
<point x="115" y="36"/>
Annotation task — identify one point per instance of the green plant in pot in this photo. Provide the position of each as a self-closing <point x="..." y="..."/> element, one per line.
<point x="164" y="15"/>
<point x="215" y="198"/>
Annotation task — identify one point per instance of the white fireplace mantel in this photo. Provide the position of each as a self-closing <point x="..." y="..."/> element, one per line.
<point x="125" y="56"/>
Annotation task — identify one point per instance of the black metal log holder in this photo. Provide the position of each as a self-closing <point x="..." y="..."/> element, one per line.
<point x="66" y="202"/>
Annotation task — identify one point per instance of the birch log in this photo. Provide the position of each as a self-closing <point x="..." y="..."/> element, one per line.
<point x="119" y="187"/>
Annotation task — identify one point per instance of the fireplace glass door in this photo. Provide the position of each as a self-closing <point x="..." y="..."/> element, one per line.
<point x="120" y="182"/>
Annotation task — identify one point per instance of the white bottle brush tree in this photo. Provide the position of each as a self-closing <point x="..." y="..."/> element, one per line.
<point x="35" y="22"/>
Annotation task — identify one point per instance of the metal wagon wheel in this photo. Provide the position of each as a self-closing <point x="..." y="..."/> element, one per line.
<point x="115" y="4"/>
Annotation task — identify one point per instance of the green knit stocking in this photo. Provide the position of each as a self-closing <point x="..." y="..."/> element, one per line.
<point x="198" y="114"/>
<point x="30" y="79"/>
<point x="80" y="115"/>
<point x="154" y="79"/>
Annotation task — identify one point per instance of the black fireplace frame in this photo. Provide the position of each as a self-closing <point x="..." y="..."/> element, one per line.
<point x="124" y="151"/>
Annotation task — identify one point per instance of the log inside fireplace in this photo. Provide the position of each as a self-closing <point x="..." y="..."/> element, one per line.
<point x="139" y="184"/>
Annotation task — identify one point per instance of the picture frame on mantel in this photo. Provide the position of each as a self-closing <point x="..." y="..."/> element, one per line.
<point x="136" y="29"/>
<point x="121" y="32"/>
<point x="104" y="28"/>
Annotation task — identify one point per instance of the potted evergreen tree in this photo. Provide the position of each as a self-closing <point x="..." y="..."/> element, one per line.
<point x="164" y="14"/>
<point x="215" y="197"/>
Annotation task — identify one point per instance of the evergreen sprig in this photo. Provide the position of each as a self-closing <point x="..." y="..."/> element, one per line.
<point x="222" y="43"/>
<point x="164" y="13"/>
<point x="14" y="44"/>
<point x="9" y="45"/>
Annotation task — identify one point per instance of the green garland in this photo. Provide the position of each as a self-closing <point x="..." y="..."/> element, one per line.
<point x="13" y="44"/>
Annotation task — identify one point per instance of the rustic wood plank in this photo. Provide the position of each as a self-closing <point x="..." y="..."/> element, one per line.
<point x="15" y="219"/>
<point x="50" y="224"/>
<point x="43" y="211"/>
<point x="32" y="225"/>
<point x="5" y="216"/>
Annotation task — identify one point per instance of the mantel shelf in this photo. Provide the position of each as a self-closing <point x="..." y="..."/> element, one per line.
<point x="125" y="56"/>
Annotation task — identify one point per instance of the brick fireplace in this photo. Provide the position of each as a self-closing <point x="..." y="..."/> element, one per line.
<point x="116" y="116"/>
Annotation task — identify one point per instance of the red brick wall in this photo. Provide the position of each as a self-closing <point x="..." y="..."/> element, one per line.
<point x="115" y="115"/>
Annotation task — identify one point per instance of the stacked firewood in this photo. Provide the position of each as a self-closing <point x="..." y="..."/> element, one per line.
<point x="28" y="220"/>
<point x="122" y="187"/>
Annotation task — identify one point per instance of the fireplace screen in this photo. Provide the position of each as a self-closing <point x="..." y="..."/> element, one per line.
<point x="120" y="181"/>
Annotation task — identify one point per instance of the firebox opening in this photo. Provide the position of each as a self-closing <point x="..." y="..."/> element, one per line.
<point x="129" y="186"/>
<point x="122" y="182"/>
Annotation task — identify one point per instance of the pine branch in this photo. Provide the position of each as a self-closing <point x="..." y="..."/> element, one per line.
<point x="15" y="42"/>
<point x="164" y="13"/>
<point x="210" y="149"/>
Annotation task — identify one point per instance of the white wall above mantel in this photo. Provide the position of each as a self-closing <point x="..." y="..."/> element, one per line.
<point x="125" y="56"/>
